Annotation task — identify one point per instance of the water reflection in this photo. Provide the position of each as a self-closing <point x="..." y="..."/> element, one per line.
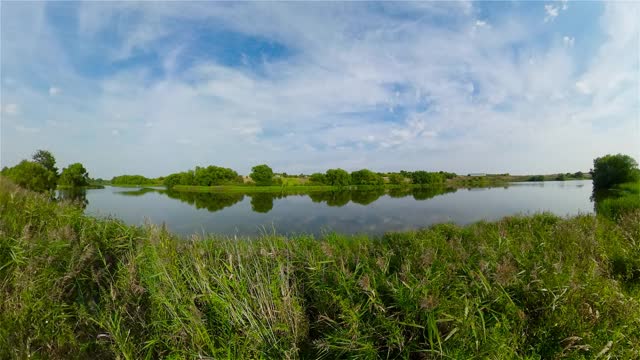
<point x="337" y="198"/>
<point x="428" y="193"/>
<point x="137" y="192"/>
<point x="210" y="201"/>
<point x="365" y="211"/>
<point x="263" y="202"/>
<point x="77" y="196"/>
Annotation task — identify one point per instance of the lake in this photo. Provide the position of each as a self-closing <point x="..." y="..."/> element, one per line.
<point x="351" y="212"/>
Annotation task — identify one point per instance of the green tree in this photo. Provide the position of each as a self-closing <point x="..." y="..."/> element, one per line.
<point x="427" y="178"/>
<point x="262" y="175"/>
<point x="611" y="170"/>
<point x="46" y="159"/>
<point x="129" y="180"/>
<point x="338" y="177"/>
<point x="75" y="175"/>
<point x="32" y="175"/>
<point x="396" y="179"/>
<point x="318" y="178"/>
<point x="366" y="177"/>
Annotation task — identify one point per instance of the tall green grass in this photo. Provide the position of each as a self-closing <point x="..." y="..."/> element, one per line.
<point x="620" y="200"/>
<point x="535" y="287"/>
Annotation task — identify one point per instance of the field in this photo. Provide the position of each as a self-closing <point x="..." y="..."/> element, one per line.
<point x="523" y="287"/>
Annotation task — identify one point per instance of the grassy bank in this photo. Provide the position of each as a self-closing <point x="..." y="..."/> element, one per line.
<point x="620" y="200"/>
<point x="524" y="287"/>
<point x="136" y="186"/>
<point x="69" y="187"/>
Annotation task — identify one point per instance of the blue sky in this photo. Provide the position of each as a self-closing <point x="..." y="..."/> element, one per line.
<point x="159" y="87"/>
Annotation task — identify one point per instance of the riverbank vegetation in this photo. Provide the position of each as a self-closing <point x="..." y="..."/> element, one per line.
<point x="515" y="288"/>
<point x="41" y="174"/>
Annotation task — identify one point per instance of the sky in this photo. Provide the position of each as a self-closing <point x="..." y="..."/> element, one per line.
<point x="154" y="88"/>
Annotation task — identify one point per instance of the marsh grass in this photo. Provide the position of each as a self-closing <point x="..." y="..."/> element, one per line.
<point x="622" y="199"/>
<point x="524" y="287"/>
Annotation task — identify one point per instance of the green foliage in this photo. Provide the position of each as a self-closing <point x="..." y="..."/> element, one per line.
<point x="366" y="177"/>
<point x="46" y="159"/>
<point x="318" y="178"/>
<point x="213" y="175"/>
<point x="427" y="178"/>
<point x="31" y="175"/>
<point x="75" y="286"/>
<point x="203" y="176"/>
<point x="131" y="180"/>
<point x="618" y="201"/>
<point x="611" y="170"/>
<point x="615" y="207"/>
<point x="449" y="175"/>
<point x="578" y="175"/>
<point x="75" y="175"/>
<point x="536" y="178"/>
<point x="396" y="179"/>
<point x="561" y="177"/>
<point x="262" y="175"/>
<point x="337" y="177"/>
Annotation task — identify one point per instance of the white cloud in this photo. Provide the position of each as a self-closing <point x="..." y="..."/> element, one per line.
<point x="552" y="12"/>
<point x="53" y="91"/>
<point x="464" y="101"/>
<point x="11" y="109"/>
<point x="568" y="41"/>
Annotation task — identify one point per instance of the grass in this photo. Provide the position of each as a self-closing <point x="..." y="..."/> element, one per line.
<point x="621" y="200"/>
<point x="530" y="287"/>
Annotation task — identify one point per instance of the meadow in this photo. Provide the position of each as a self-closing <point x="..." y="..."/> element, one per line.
<point x="528" y="287"/>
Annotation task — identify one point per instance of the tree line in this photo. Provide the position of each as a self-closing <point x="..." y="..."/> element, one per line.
<point x="263" y="175"/>
<point x="41" y="174"/>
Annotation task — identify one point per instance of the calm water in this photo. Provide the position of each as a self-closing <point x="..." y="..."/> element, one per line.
<point x="371" y="212"/>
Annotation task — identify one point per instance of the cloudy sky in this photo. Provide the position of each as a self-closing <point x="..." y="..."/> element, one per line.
<point x="154" y="88"/>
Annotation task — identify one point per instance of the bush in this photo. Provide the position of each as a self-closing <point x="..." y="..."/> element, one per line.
<point x="75" y="175"/>
<point x="338" y="177"/>
<point x="262" y="175"/>
<point x="318" y="178"/>
<point x="427" y="178"/>
<point x="611" y="170"/>
<point x="366" y="177"/>
<point x="396" y="179"/>
<point x="130" y="180"/>
<point x="31" y="175"/>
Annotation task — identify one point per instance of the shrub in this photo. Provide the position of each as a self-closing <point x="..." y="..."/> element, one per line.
<point x="611" y="170"/>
